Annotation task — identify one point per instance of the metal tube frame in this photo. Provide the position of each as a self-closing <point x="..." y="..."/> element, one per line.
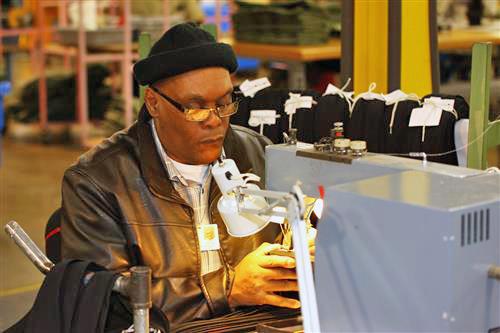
<point x="136" y="286"/>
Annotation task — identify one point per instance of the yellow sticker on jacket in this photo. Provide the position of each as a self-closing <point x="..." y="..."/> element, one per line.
<point x="208" y="236"/>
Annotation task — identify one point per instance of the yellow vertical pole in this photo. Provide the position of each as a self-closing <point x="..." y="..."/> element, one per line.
<point x="371" y="44"/>
<point x="416" y="70"/>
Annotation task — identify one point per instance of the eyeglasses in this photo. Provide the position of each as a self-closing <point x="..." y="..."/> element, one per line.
<point x="200" y="114"/>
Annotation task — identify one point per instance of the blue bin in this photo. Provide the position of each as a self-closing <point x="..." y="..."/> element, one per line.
<point x="5" y="88"/>
<point x="208" y="8"/>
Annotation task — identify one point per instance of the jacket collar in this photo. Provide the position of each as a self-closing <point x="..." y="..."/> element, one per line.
<point x="152" y="168"/>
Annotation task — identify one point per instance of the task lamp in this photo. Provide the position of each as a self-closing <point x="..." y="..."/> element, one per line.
<point x="245" y="211"/>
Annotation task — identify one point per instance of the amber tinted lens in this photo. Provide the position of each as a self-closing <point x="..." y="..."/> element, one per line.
<point x="197" y="114"/>
<point x="228" y="110"/>
<point x="203" y="114"/>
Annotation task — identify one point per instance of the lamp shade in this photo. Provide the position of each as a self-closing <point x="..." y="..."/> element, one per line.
<point x="240" y="224"/>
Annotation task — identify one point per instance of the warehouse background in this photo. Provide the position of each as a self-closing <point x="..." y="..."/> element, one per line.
<point x="66" y="83"/>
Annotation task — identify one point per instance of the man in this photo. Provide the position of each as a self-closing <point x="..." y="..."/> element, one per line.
<point x="146" y="196"/>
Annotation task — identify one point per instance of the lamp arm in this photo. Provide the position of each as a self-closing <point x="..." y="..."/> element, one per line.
<point x="282" y="201"/>
<point x="307" y="290"/>
<point x="263" y="193"/>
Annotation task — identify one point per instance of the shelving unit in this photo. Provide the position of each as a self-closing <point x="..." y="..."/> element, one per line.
<point x="78" y="56"/>
<point x="36" y="55"/>
<point x="83" y="58"/>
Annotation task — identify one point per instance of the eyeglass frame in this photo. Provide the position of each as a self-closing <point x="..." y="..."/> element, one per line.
<point x="183" y="109"/>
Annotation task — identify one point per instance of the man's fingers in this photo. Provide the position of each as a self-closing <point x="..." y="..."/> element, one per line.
<point x="280" y="274"/>
<point x="272" y="261"/>
<point x="282" y="285"/>
<point x="265" y="248"/>
<point x="281" y="301"/>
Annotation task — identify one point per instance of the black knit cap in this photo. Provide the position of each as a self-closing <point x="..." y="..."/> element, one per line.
<point x="183" y="48"/>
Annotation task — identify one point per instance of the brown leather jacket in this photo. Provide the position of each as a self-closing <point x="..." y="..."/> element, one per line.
<point x="119" y="209"/>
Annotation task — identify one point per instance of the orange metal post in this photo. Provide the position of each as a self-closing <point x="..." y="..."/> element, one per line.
<point x="82" y="96"/>
<point x="62" y="17"/>
<point x="218" y="16"/>
<point x="127" y="64"/>
<point x="42" y="83"/>
<point x="1" y="30"/>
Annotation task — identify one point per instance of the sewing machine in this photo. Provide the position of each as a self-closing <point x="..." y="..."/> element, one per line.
<point x="403" y="246"/>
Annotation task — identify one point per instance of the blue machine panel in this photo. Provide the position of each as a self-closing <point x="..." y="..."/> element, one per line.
<point x="395" y="254"/>
<point x="402" y="246"/>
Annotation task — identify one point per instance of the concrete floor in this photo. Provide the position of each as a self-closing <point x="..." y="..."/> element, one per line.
<point x="30" y="180"/>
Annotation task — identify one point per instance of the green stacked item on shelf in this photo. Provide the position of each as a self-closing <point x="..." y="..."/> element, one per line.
<point x="296" y="22"/>
<point x="114" y="116"/>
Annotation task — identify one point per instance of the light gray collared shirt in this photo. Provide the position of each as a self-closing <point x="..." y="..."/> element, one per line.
<point x="195" y="194"/>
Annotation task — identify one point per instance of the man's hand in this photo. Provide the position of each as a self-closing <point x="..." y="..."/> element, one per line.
<point x="259" y="275"/>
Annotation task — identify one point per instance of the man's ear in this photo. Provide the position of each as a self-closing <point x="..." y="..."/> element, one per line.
<point x="151" y="102"/>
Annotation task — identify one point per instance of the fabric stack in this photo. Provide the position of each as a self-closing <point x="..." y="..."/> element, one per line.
<point x="61" y="97"/>
<point x="275" y="99"/>
<point x="296" y="22"/>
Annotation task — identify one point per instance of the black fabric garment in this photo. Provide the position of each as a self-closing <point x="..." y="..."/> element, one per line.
<point x="120" y="316"/>
<point x="266" y="99"/>
<point x="397" y="141"/>
<point x="244" y="319"/>
<point x="270" y="99"/>
<point x="53" y="237"/>
<point x="440" y="139"/>
<point x="274" y="99"/>
<point x="367" y="123"/>
<point x="71" y="301"/>
<point x="243" y="114"/>
<point x="330" y="109"/>
<point x="61" y="97"/>
<point x="303" y="119"/>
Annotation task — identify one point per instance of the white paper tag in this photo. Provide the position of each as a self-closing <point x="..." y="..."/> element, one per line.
<point x="332" y="90"/>
<point x="445" y="104"/>
<point x="297" y="102"/>
<point x="208" y="236"/>
<point x="250" y="88"/>
<point x="427" y="115"/>
<point x="395" y="96"/>
<point x="262" y="117"/>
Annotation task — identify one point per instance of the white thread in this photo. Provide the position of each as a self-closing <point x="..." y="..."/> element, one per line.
<point x="345" y="95"/>
<point x="393" y="113"/>
<point x="372" y="87"/>
<point x="341" y="92"/>
<point x="409" y="97"/>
